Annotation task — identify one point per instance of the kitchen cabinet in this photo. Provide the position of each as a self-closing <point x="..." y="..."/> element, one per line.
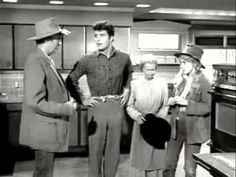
<point x="73" y="46"/>
<point x="10" y="117"/>
<point x="15" y="47"/>
<point x="6" y="43"/>
<point x="22" y="46"/>
<point x="9" y="133"/>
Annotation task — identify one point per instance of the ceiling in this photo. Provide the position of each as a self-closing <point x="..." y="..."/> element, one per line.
<point x="142" y="13"/>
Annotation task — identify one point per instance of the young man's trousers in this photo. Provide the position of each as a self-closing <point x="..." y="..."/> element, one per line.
<point x="104" y="129"/>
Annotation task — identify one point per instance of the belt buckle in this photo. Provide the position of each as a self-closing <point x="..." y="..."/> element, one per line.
<point x="104" y="98"/>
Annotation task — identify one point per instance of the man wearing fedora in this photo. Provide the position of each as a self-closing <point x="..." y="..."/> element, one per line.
<point x="189" y="108"/>
<point x="47" y="106"/>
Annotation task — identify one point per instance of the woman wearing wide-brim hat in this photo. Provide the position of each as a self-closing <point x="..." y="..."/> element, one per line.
<point x="149" y="94"/>
<point x="189" y="111"/>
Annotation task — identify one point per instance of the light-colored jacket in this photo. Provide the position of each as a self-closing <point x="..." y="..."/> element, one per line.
<point x="45" y="116"/>
<point x="147" y="96"/>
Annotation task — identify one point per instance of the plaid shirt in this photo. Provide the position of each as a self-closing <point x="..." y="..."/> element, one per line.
<point x="105" y="76"/>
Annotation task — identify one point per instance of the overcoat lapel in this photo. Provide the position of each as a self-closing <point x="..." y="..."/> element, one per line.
<point x="57" y="74"/>
<point x="52" y="67"/>
<point x="59" y="78"/>
<point x="180" y="88"/>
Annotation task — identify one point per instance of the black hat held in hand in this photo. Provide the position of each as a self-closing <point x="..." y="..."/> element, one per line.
<point x="155" y="131"/>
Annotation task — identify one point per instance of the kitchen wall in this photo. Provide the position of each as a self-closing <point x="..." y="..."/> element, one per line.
<point x="11" y="81"/>
<point x="126" y="38"/>
<point x="11" y="84"/>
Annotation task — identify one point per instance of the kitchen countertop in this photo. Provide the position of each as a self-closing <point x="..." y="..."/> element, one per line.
<point x="11" y="99"/>
<point x="218" y="164"/>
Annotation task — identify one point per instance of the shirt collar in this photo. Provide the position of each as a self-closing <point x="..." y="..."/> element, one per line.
<point x="113" y="52"/>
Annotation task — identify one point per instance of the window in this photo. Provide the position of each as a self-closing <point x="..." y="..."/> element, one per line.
<point x="210" y="40"/>
<point x="231" y="41"/>
<point x="152" y="42"/>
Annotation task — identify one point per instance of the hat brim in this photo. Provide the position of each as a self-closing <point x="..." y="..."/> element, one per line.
<point x="155" y="131"/>
<point x="179" y="53"/>
<point x="62" y="31"/>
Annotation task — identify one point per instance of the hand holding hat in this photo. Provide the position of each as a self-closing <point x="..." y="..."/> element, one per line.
<point x="155" y="131"/>
<point x="140" y="119"/>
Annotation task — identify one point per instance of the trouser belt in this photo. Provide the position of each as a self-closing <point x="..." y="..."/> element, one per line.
<point x="104" y="98"/>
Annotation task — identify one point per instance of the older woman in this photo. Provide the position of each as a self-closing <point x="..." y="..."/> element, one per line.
<point x="149" y="94"/>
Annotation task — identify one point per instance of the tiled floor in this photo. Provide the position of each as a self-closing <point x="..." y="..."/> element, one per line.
<point x="78" y="167"/>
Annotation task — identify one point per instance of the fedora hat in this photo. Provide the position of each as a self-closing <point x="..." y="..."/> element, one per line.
<point x="155" y="131"/>
<point x="193" y="51"/>
<point x="46" y="28"/>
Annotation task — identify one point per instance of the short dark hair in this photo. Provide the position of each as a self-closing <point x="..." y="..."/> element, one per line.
<point x="104" y="25"/>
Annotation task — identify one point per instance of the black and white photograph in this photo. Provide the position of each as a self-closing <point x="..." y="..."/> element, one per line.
<point x="117" y="88"/>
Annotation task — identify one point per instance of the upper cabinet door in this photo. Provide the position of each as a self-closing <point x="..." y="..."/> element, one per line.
<point x="23" y="47"/>
<point x="73" y="46"/>
<point x="121" y="41"/>
<point x="122" y="38"/>
<point x="6" y="49"/>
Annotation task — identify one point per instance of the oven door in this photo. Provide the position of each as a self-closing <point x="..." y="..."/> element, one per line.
<point x="223" y="131"/>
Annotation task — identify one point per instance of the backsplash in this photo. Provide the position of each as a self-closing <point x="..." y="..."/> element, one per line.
<point x="11" y="83"/>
